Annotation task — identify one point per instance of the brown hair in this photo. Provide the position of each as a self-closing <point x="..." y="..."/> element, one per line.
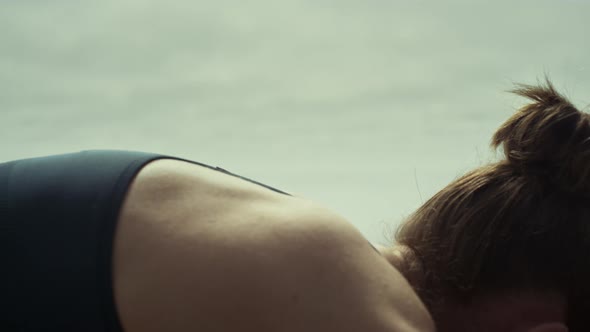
<point x="519" y="223"/>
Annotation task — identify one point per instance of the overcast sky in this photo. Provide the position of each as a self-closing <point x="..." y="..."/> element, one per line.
<point x="367" y="106"/>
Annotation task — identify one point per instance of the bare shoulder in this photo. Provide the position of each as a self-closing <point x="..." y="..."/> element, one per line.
<point x="361" y="287"/>
<point x="196" y="249"/>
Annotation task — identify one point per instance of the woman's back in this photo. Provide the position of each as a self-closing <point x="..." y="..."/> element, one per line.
<point x="103" y="239"/>
<point x="199" y="250"/>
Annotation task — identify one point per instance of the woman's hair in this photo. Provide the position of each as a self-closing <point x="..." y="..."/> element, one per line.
<point x="522" y="223"/>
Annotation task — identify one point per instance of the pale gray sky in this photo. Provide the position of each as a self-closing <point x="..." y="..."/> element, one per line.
<point x="355" y="104"/>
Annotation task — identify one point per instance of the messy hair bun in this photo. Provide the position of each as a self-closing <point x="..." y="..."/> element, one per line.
<point x="520" y="223"/>
<point x="548" y="138"/>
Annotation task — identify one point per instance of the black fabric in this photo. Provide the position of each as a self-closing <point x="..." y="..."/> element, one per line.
<point x="57" y="220"/>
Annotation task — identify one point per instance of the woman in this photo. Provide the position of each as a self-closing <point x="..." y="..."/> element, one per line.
<point x="111" y="241"/>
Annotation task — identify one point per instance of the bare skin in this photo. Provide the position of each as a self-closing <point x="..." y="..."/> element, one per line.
<point x="199" y="250"/>
<point x="522" y="311"/>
